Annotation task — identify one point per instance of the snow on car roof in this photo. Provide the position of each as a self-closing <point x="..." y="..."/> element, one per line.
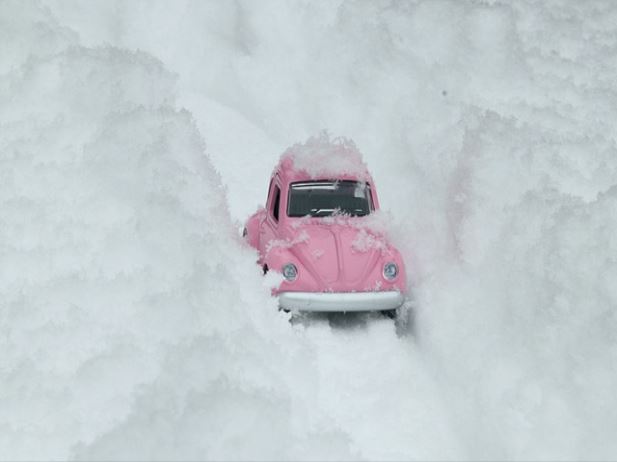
<point x="322" y="157"/>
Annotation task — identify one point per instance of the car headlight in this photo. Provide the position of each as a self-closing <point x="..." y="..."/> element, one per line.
<point x="290" y="272"/>
<point x="390" y="271"/>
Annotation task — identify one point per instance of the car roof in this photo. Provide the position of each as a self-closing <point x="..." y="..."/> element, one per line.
<point x="322" y="160"/>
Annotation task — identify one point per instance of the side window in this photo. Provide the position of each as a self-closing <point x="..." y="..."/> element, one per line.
<point x="276" y="203"/>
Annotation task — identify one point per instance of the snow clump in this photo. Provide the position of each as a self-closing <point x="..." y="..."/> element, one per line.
<point x="324" y="158"/>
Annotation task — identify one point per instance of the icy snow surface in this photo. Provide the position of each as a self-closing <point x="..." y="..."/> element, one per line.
<point x="135" y="136"/>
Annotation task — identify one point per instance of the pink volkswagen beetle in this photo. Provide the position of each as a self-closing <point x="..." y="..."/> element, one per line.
<point x="319" y="230"/>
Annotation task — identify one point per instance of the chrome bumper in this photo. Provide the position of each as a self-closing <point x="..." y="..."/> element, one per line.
<point x="340" y="301"/>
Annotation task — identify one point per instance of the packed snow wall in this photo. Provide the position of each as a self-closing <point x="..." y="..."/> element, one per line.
<point x="488" y="129"/>
<point x="124" y="288"/>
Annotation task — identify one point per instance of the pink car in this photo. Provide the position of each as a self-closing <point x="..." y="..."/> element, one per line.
<point x="320" y="231"/>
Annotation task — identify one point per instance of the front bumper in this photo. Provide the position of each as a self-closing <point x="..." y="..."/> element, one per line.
<point x="340" y="301"/>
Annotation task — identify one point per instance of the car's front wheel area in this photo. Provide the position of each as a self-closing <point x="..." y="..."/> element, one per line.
<point x="405" y="318"/>
<point x="391" y="314"/>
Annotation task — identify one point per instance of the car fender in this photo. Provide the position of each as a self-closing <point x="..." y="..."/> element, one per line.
<point x="277" y="257"/>
<point x="252" y="228"/>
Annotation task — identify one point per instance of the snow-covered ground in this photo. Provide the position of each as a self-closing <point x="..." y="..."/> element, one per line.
<point x="136" y="136"/>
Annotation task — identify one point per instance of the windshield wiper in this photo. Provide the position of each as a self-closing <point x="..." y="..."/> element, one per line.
<point x="316" y="212"/>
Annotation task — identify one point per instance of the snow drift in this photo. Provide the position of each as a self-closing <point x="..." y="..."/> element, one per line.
<point x="124" y="290"/>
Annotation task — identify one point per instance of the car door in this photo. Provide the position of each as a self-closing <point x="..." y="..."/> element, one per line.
<point x="270" y="224"/>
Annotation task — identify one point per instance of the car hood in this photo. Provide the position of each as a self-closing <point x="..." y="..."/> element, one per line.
<point x="339" y="257"/>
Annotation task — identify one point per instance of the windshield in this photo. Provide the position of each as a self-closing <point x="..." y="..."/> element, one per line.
<point x="323" y="198"/>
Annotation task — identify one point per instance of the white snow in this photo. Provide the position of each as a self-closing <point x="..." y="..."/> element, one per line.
<point x="323" y="157"/>
<point x="365" y="241"/>
<point x="299" y="238"/>
<point x="135" y="136"/>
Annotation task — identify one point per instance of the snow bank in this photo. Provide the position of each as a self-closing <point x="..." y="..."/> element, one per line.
<point x="133" y="322"/>
<point x="518" y="318"/>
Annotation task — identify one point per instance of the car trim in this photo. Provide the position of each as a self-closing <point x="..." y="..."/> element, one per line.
<point x="340" y="301"/>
